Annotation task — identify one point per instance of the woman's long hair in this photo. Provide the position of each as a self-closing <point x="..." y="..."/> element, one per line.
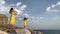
<point x="11" y="10"/>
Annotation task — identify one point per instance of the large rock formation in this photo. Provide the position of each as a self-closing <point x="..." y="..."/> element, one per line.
<point x="3" y="19"/>
<point x="23" y="31"/>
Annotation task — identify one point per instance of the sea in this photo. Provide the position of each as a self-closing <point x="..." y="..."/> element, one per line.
<point x="49" y="31"/>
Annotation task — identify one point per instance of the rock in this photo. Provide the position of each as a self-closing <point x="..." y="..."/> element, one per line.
<point x="12" y="31"/>
<point x="39" y="32"/>
<point x="2" y="32"/>
<point x="23" y="31"/>
<point x="3" y="19"/>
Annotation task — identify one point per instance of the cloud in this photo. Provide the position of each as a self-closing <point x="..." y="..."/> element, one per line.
<point x="18" y="4"/>
<point x="4" y="7"/>
<point x="18" y="11"/>
<point x="26" y="15"/>
<point x="58" y="3"/>
<point x="53" y="5"/>
<point x="2" y="2"/>
<point x="48" y="9"/>
<point x="54" y="8"/>
<point x="23" y="7"/>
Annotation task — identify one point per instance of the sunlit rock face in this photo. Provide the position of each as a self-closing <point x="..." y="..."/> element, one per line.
<point x="2" y="32"/>
<point x="3" y="19"/>
<point x="23" y="31"/>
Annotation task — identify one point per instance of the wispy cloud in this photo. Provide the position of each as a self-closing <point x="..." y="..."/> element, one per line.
<point x="23" y="7"/>
<point x="18" y="4"/>
<point x="18" y="11"/>
<point x="26" y="15"/>
<point x="58" y="3"/>
<point x="48" y="9"/>
<point x="2" y="2"/>
<point x="53" y="8"/>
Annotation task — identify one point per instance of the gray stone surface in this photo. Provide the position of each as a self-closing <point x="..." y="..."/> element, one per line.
<point x="12" y="31"/>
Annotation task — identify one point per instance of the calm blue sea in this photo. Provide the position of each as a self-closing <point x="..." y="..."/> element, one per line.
<point x="50" y="31"/>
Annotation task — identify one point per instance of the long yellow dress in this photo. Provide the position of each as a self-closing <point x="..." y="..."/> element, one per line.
<point x="12" y="18"/>
<point x="25" y="23"/>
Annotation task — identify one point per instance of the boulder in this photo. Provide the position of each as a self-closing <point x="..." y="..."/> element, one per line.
<point x="3" y="19"/>
<point x="23" y="31"/>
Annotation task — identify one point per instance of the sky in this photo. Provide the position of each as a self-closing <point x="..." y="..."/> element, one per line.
<point x="40" y="14"/>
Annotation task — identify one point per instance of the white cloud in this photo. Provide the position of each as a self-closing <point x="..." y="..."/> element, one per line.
<point x="53" y="8"/>
<point x="26" y="15"/>
<point x="53" y="5"/>
<point x="18" y="11"/>
<point x="48" y="9"/>
<point x="58" y="3"/>
<point x="23" y="7"/>
<point x="19" y="3"/>
<point x="2" y="2"/>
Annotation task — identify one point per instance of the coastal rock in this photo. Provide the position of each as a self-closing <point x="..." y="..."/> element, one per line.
<point x="23" y="31"/>
<point x="2" y="32"/>
<point x="3" y="19"/>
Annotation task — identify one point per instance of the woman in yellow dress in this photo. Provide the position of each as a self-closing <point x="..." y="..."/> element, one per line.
<point x="12" y="18"/>
<point x="25" y="22"/>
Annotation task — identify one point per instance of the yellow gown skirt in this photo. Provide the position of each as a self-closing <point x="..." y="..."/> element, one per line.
<point x="25" y="23"/>
<point x="12" y="19"/>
